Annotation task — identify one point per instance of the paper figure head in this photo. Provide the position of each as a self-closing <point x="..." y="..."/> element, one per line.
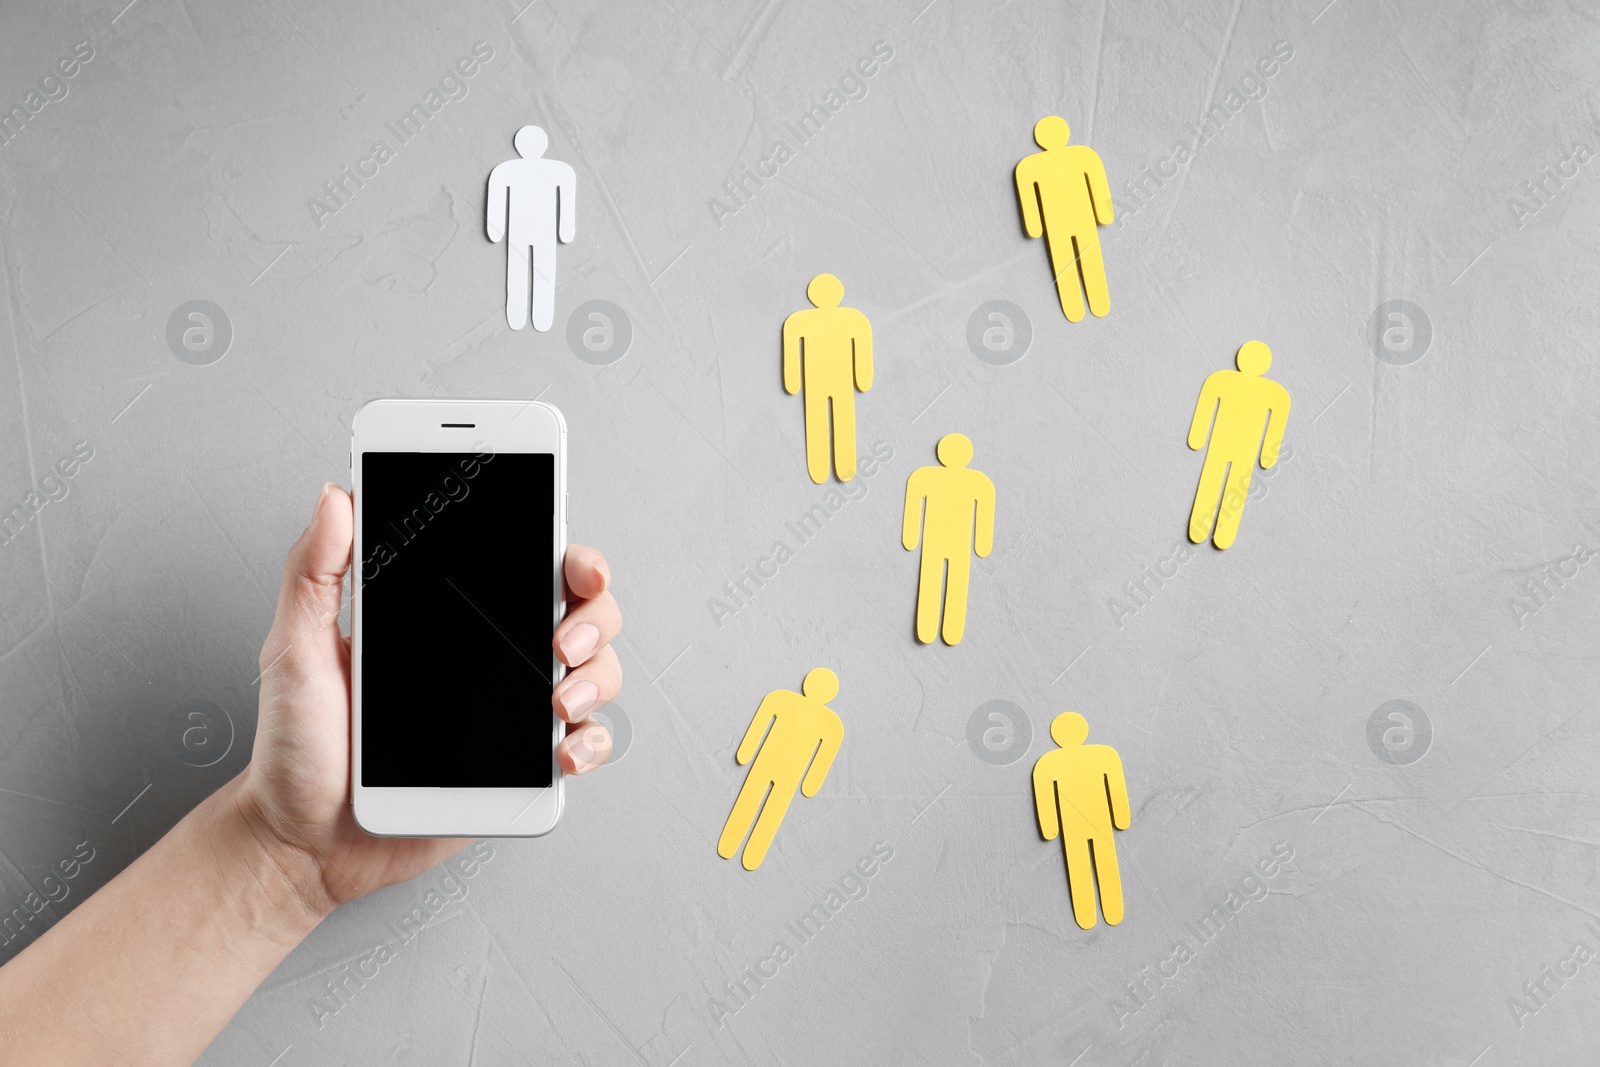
<point x="821" y="685"/>
<point x="1069" y="729"/>
<point x="955" y="450"/>
<point x="1254" y="358"/>
<point x="825" y="291"/>
<point x="1052" y="131"/>
<point x="531" y="142"/>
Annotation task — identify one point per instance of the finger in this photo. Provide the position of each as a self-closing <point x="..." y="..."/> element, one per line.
<point x="587" y="628"/>
<point x="306" y="623"/>
<point x="589" y="687"/>
<point x="587" y="572"/>
<point x="587" y="747"/>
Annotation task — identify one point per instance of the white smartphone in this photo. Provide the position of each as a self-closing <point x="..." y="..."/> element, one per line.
<point x="456" y="592"/>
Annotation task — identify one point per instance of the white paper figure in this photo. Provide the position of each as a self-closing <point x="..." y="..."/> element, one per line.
<point x="540" y="193"/>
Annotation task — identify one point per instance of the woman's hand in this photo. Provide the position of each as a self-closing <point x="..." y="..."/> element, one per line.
<point x="164" y="954"/>
<point x="296" y="790"/>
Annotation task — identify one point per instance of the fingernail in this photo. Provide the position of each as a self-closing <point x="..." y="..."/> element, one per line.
<point x="326" y="486"/>
<point x="604" y="571"/>
<point x="578" y="643"/>
<point x="589" y="749"/>
<point x="577" y="698"/>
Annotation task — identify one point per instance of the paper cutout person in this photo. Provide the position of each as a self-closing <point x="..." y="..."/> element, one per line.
<point x="1241" y="401"/>
<point x="540" y="193"/>
<point x="797" y="753"/>
<point x="959" y="521"/>
<point x="1081" y="795"/>
<point x="828" y="349"/>
<point x="1065" y="197"/>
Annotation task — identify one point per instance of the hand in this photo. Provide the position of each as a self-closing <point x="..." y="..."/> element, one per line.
<point x="296" y="790"/>
<point x="594" y="674"/>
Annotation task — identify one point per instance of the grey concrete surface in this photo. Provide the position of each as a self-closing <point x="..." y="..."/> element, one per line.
<point x="1389" y="558"/>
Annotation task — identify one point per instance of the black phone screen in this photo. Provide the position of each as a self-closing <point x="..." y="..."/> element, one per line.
<point x="457" y="608"/>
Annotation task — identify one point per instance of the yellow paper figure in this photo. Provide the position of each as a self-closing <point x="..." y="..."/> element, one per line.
<point x="959" y="520"/>
<point x="797" y="753"/>
<point x="1066" y="199"/>
<point x="828" y="350"/>
<point x="1241" y="401"/>
<point x="1081" y="795"/>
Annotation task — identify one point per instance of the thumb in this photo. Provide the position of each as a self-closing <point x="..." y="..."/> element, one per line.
<point x="305" y="631"/>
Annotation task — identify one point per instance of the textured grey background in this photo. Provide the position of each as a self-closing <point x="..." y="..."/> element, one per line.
<point x="1380" y="563"/>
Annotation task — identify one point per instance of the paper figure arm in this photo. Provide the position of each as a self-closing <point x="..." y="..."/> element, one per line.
<point x="1205" y="410"/>
<point x="984" y="534"/>
<point x="911" y="526"/>
<point x="1029" y="197"/>
<point x="1099" y="191"/>
<point x="1277" y="418"/>
<point x="863" y="355"/>
<point x="766" y="713"/>
<point x="567" y="205"/>
<point x="499" y="193"/>
<point x="791" y="356"/>
<point x="833" y="735"/>
<point x="1117" y="790"/>
<point x="1044" y="798"/>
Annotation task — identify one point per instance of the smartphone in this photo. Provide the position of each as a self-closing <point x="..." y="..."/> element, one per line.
<point x="456" y="593"/>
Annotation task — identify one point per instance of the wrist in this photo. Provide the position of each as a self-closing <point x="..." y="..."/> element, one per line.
<point x="277" y="887"/>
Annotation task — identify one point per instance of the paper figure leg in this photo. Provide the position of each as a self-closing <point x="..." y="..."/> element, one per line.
<point x="1204" y="516"/>
<point x="517" y="274"/>
<point x="844" y="436"/>
<point x="816" y="435"/>
<point x="1109" y="876"/>
<point x="929" y="595"/>
<point x="1093" y="267"/>
<point x="1065" y="264"/>
<point x="1080" y="874"/>
<point x="544" y="287"/>
<point x="955" y="598"/>
<point x="1233" y="498"/>
<point x="744" y="813"/>
<point x="755" y="850"/>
